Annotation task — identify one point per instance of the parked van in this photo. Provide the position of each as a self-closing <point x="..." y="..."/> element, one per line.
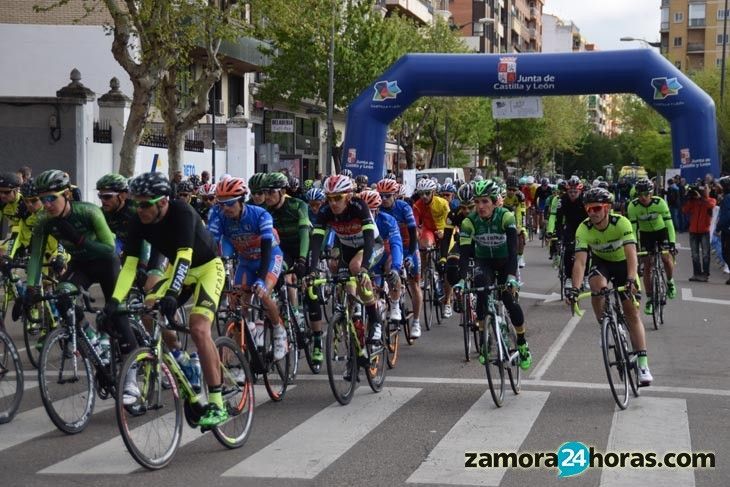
<point x="442" y="173"/>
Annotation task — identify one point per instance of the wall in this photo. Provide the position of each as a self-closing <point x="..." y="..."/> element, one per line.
<point x="193" y="162"/>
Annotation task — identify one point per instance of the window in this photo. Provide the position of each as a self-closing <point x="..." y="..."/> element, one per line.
<point x="678" y="17"/>
<point x="719" y="39"/>
<point x="696" y="14"/>
<point x="678" y="64"/>
<point x="677" y="42"/>
<point x="718" y="62"/>
<point x="236" y="90"/>
<point x="721" y="14"/>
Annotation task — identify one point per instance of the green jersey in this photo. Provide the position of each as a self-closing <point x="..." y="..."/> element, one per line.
<point x="651" y="218"/>
<point x="489" y="236"/>
<point x="607" y="244"/>
<point x="291" y="222"/>
<point x="88" y="219"/>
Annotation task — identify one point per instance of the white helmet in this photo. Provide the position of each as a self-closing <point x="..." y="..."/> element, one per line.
<point x="426" y="184"/>
<point x="337" y="184"/>
<point x="530" y="180"/>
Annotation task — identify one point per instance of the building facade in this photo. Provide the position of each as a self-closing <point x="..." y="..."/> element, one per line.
<point x="692" y="33"/>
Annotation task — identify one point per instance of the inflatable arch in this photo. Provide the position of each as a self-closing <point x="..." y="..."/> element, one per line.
<point x="689" y="110"/>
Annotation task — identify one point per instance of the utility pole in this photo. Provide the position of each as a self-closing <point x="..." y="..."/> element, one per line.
<point x="724" y="42"/>
<point x="331" y="92"/>
<point x="212" y="142"/>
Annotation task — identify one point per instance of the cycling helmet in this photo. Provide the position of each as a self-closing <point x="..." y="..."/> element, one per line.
<point x="426" y="184"/>
<point x="275" y="180"/>
<point x="207" y="189"/>
<point x="530" y="180"/>
<point x="314" y="194"/>
<point x="10" y="180"/>
<point x="338" y="183"/>
<point x="448" y="188"/>
<point x="346" y="172"/>
<point x="113" y="182"/>
<point x="361" y="180"/>
<point x="224" y="176"/>
<point x="390" y="175"/>
<point x="387" y="186"/>
<point x="478" y="177"/>
<point x="575" y="183"/>
<point x="194" y="180"/>
<point x="28" y="189"/>
<point x="465" y="193"/>
<point x="293" y="183"/>
<point x="602" y="184"/>
<point x="597" y="195"/>
<point x="512" y="182"/>
<point x="402" y="192"/>
<point x="544" y="181"/>
<point x="562" y="185"/>
<point x="150" y="184"/>
<point x="308" y="184"/>
<point x="51" y="180"/>
<point x="371" y="198"/>
<point x="256" y="182"/>
<point x="231" y="188"/>
<point x="644" y="185"/>
<point x="486" y="188"/>
<point x="185" y="187"/>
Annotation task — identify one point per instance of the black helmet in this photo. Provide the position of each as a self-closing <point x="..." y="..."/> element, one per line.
<point x="185" y="187"/>
<point x="113" y="182"/>
<point x="9" y="180"/>
<point x="150" y="184"/>
<point x="52" y="180"/>
<point x="361" y="179"/>
<point x="465" y="193"/>
<point x="644" y="185"/>
<point x="512" y="182"/>
<point x="346" y="172"/>
<point x="256" y="182"/>
<point x="597" y="195"/>
<point x="293" y="183"/>
<point x="28" y="189"/>
<point x="194" y="180"/>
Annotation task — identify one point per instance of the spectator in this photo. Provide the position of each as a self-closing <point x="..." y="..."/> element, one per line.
<point x="204" y="178"/>
<point x="698" y="209"/>
<point x="723" y="221"/>
<point x="176" y="180"/>
<point x="24" y="173"/>
<point x="674" y="203"/>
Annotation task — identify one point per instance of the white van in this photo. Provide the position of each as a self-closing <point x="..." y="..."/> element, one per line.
<point x="442" y="173"/>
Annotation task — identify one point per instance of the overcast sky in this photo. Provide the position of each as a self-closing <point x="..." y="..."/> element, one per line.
<point x="603" y="23"/>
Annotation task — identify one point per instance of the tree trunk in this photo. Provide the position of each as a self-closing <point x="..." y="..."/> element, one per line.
<point x="139" y="109"/>
<point x="175" y="149"/>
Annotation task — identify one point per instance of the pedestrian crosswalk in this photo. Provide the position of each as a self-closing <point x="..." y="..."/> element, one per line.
<point x="321" y="440"/>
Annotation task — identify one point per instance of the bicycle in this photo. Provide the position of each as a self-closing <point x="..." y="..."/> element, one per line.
<point x="498" y="345"/>
<point x="346" y="343"/>
<point x="11" y="377"/>
<point x="259" y="353"/>
<point x="152" y="427"/>
<point x="391" y="329"/>
<point x="658" y="292"/>
<point x="432" y="304"/>
<point x="616" y="346"/>
<point x="469" y="317"/>
<point x="299" y="332"/>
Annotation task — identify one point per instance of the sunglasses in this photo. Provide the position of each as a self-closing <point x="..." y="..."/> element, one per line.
<point x="31" y="201"/>
<point x="645" y="193"/>
<point x="107" y="196"/>
<point x="336" y="197"/>
<point x="425" y="193"/>
<point x="228" y="203"/>
<point x="271" y="190"/>
<point x="258" y="193"/>
<point x="385" y="196"/>
<point x="149" y="203"/>
<point x="50" y="198"/>
<point x="594" y="208"/>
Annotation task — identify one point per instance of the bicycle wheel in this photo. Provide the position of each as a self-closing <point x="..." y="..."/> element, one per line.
<point x="278" y="372"/>
<point x="11" y="378"/>
<point x="662" y="280"/>
<point x="493" y="362"/>
<point x="341" y="361"/>
<point x="428" y="295"/>
<point x="152" y="427"/>
<point x="406" y="306"/>
<point x="614" y="360"/>
<point x="181" y="317"/>
<point x="377" y="366"/>
<point x="65" y="379"/>
<point x="467" y="327"/>
<point x="392" y="338"/>
<point x="509" y="339"/>
<point x="305" y="341"/>
<point x="33" y="331"/>
<point x="238" y="394"/>
<point x="631" y="365"/>
<point x="438" y="306"/>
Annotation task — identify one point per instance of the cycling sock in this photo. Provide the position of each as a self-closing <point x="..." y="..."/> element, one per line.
<point x="372" y="311"/>
<point x="521" y="339"/>
<point x="214" y="395"/>
<point x="317" y="335"/>
<point x="642" y="360"/>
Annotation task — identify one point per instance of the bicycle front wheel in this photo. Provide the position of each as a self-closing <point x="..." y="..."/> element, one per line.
<point x="66" y="383"/>
<point x="491" y="357"/>
<point x="614" y="360"/>
<point x="151" y="427"/>
<point x="428" y="296"/>
<point x="34" y="332"/>
<point x="514" y="372"/>
<point x="467" y="326"/>
<point x="341" y="361"/>
<point x="278" y="372"/>
<point x="392" y="337"/>
<point x="377" y="366"/>
<point x="11" y="378"/>
<point x="238" y="394"/>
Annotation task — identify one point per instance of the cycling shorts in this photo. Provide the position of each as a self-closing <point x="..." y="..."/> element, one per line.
<point x="650" y="240"/>
<point x="248" y="270"/>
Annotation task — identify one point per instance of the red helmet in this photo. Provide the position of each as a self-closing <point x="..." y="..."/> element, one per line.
<point x="371" y="198"/>
<point x="387" y="186"/>
<point x="337" y="184"/>
<point x="231" y="187"/>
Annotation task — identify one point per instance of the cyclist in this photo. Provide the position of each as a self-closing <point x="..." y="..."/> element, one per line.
<point x="293" y="189"/>
<point x="403" y="214"/>
<point x="360" y="242"/>
<point x="291" y="219"/>
<point x="514" y="201"/>
<point x="361" y="183"/>
<point x="258" y="195"/>
<point x="430" y="212"/>
<point x="465" y="194"/>
<point x="391" y="262"/>
<point x="178" y="233"/>
<point x="652" y="224"/>
<point x="315" y="199"/>
<point x="11" y="208"/>
<point x="248" y="231"/>
<point x="569" y="213"/>
<point x="489" y="235"/>
<point x="447" y="192"/>
<point x="205" y="200"/>
<point x="82" y="230"/>
<point x="611" y="241"/>
<point x="561" y="187"/>
<point x="542" y="193"/>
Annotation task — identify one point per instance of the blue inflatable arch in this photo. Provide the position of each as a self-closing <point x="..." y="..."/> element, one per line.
<point x="689" y="110"/>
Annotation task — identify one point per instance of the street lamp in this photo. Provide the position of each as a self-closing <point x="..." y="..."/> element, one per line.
<point x="647" y="43"/>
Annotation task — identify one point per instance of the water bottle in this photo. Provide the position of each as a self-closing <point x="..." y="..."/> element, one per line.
<point x="93" y="337"/>
<point x="360" y="327"/>
<point x="105" y="348"/>
<point x="196" y="371"/>
<point x="259" y="335"/>
<point x="183" y="360"/>
<point x="252" y="328"/>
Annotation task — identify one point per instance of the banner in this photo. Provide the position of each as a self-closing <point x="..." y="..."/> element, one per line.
<point x="521" y="107"/>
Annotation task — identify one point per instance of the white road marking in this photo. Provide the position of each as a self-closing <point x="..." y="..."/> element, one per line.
<point x="687" y="296"/>
<point x="552" y="352"/>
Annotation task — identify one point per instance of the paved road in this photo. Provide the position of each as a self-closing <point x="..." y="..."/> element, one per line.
<point x="435" y="407"/>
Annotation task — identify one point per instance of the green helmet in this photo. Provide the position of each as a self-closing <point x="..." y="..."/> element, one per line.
<point x="112" y="182"/>
<point x="276" y="180"/>
<point x="52" y="180"/>
<point x="486" y="188"/>
<point x="255" y="183"/>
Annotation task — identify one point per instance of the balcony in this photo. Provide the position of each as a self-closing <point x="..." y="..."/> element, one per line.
<point x="664" y="27"/>
<point x="534" y="13"/>
<point x="695" y="47"/>
<point x="244" y="54"/>
<point x="419" y="10"/>
<point x="532" y="32"/>
<point x="665" y="4"/>
<point x="696" y="24"/>
<point x="517" y="27"/>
